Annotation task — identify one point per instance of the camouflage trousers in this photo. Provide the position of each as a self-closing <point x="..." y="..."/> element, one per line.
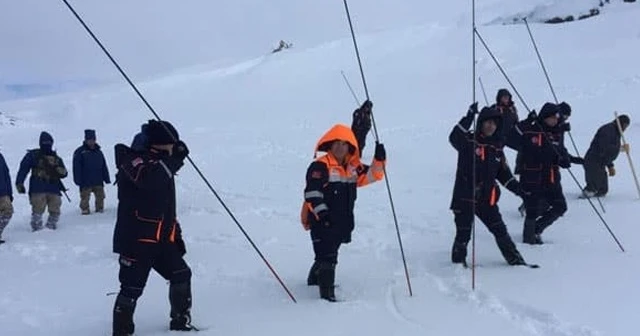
<point x="6" y="212"/>
<point x="85" y="196"/>
<point x="42" y="202"/>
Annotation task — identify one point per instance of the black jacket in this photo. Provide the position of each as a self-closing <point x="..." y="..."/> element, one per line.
<point x="146" y="202"/>
<point x="605" y="146"/>
<point x="509" y="118"/>
<point x="490" y="164"/>
<point x="541" y="153"/>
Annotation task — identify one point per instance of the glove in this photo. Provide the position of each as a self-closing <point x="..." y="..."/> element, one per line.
<point x="612" y="171"/>
<point x="21" y="189"/>
<point x="380" y="153"/>
<point x="367" y="106"/>
<point x="532" y="117"/>
<point x="564" y="162"/>
<point x="625" y="148"/>
<point x="180" y="151"/>
<point x="576" y="160"/>
<point x="524" y="194"/>
<point x="565" y="109"/>
<point x="324" y="218"/>
<point x="61" y="171"/>
<point x="176" y="160"/>
<point x="473" y="109"/>
<point x="565" y="127"/>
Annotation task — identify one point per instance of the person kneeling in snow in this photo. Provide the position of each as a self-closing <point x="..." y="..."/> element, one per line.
<point x="485" y="144"/>
<point x="147" y="234"/>
<point x="330" y="194"/>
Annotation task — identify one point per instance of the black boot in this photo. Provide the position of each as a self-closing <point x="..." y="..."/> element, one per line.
<point x="180" y="299"/>
<point x="326" y="281"/>
<point x="509" y="251"/>
<point x="545" y="221"/>
<point x="459" y="253"/>
<point x="538" y="238"/>
<point x="312" y="279"/>
<point x="123" y="316"/>
<point x="516" y="259"/>
<point x="529" y="231"/>
<point x="328" y="293"/>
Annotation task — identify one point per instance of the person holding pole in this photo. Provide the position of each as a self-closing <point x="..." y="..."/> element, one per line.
<point x="600" y="156"/>
<point x="485" y="144"/>
<point x="147" y="234"/>
<point x="329" y="199"/>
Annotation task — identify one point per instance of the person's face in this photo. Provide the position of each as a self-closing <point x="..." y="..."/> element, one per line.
<point x="504" y="100"/>
<point x="489" y="127"/>
<point x="551" y="121"/>
<point x="166" y="148"/>
<point x="624" y="126"/>
<point x="340" y="149"/>
<point x="91" y="143"/>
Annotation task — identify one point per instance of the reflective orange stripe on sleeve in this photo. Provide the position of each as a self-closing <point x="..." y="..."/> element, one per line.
<point x="482" y="153"/>
<point x="172" y="236"/>
<point x="492" y="199"/>
<point x="158" y="231"/>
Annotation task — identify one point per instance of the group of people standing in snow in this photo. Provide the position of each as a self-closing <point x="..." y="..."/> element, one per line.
<point x="148" y="235"/>
<point x="541" y="153"/>
<point x="47" y="170"/>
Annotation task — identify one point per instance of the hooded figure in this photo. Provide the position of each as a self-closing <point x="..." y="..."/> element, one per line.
<point x="541" y="148"/>
<point x="90" y="172"/>
<point x="484" y="146"/>
<point x="139" y="142"/>
<point x="330" y="194"/>
<point x="507" y="109"/>
<point x="604" y="150"/>
<point x="147" y="234"/>
<point x="45" y="185"/>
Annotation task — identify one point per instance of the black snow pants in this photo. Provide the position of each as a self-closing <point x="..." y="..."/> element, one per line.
<point x="492" y="219"/>
<point x="596" y="177"/>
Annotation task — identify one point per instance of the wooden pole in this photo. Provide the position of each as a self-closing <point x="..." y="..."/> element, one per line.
<point x="625" y="144"/>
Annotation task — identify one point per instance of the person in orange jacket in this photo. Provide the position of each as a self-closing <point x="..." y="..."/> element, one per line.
<point x="330" y="194"/>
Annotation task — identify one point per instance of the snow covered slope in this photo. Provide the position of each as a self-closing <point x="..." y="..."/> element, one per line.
<point x="252" y="126"/>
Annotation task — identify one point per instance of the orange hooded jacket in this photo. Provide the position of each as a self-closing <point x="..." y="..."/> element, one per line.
<point x="327" y="174"/>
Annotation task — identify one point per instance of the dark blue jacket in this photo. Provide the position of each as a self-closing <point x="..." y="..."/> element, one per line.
<point x="491" y="164"/>
<point x="5" y="179"/>
<point x="44" y="177"/>
<point x="90" y="167"/>
<point x="139" y="143"/>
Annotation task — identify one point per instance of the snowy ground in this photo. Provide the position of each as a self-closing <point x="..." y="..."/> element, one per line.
<point x="252" y="126"/>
